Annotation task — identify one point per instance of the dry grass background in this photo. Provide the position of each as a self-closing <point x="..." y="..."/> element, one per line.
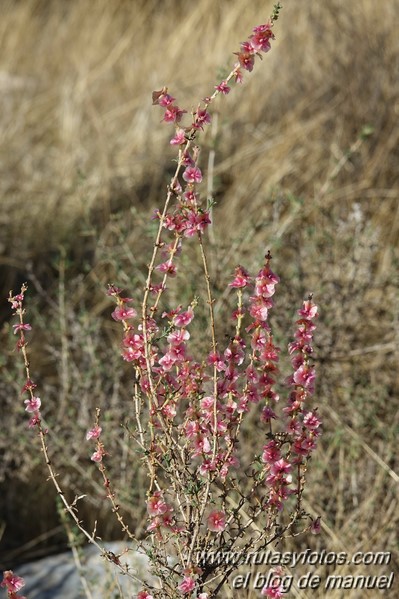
<point x="307" y="155"/>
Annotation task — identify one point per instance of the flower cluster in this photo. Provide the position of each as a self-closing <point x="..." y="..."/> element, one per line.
<point x="94" y="433"/>
<point x="188" y="217"/>
<point x="302" y="426"/>
<point x="33" y="403"/>
<point x="160" y="515"/>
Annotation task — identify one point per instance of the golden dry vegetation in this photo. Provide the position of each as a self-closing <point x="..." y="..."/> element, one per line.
<point x="306" y="164"/>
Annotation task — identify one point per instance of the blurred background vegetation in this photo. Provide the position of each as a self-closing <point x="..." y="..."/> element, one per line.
<point x="306" y="165"/>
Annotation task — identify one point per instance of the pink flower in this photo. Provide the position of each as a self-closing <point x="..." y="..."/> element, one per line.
<point x="305" y="376"/>
<point x="167" y="268"/>
<point x="202" y="118"/>
<point x="280" y="467"/>
<point x="167" y="361"/>
<point x="187" y="159"/>
<point x="178" y="337"/>
<point x="274" y="591"/>
<point x="311" y="421"/>
<point x="207" y="403"/>
<point x="241" y="278"/>
<point x="179" y="138"/>
<point x="315" y="528"/>
<point x="144" y="595"/>
<point x="12" y="582"/>
<point x="184" y="318"/>
<point x="202" y="445"/>
<point x="191" y="428"/>
<point x="93" y="433"/>
<point x="247" y="60"/>
<point x="178" y="352"/>
<point x="123" y="313"/>
<point x="192" y="174"/>
<point x="259" y="308"/>
<point x="308" y="311"/>
<point x="34" y="421"/>
<point x="97" y="456"/>
<point x="173" y="114"/>
<point x="187" y="585"/>
<point x="217" y="521"/>
<point x="29" y="386"/>
<point x="216" y="360"/>
<point x="113" y="290"/>
<point x="166" y="100"/>
<point x="271" y="453"/>
<point x="260" y="40"/>
<point x="223" y="88"/>
<point x="238" y="76"/>
<point x="33" y="404"/>
<point x="156" y="506"/>
<point x="21" y="327"/>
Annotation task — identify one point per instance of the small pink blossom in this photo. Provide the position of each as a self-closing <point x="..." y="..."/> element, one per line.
<point x="305" y="376"/>
<point x="217" y="521"/>
<point x="167" y="361"/>
<point x="275" y="591"/>
<point x="34" y="421"/>
<point x="271" y="452"/>
<point x="187" y="159"/>
<point x="309" y="310"/>
<point x="238" y="76"/>
<point x="223" y="88"/>
<point x="191" y="428"/>
<point x="315" y="528"/>
<point x="29" y="386"/>
<point x="178" y="337"/>
<point x="144" y="595"/>
<point x="246" y="60"/>
<point x="33" y="404"/>
<point x="207" y="402"/>
<point x="311" y="421"/>
<point x="166" y="100"/>
<point x="173" y="114"/>
<point x="21" y="327"/>
<point x="156" y="506"/>
<point x="167" y="268"/>
<point x="113" y="290"/>
<point x="123" y="313"/>
<point x="259" y="308"/>
<point x="241" y="278"/>
<point x="179" y="138"/>
<point x="280" y="467"/>
<point x="268" y="414"/>
<point x="12" y="582"/>
<point x="260" y="40"/>
<point x="202" y="117"/>
<point x="98" y="456"/>
<point x="184" y="318"/>
<point x="187" y="585"/>
<point x="202" y="445"/>
<point x="93" y="433"/>
<point x="215" y="359"/>
<point x="192" y="174"/>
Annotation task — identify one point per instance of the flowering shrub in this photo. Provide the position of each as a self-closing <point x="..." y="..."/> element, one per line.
<point x="188" y="411"/>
